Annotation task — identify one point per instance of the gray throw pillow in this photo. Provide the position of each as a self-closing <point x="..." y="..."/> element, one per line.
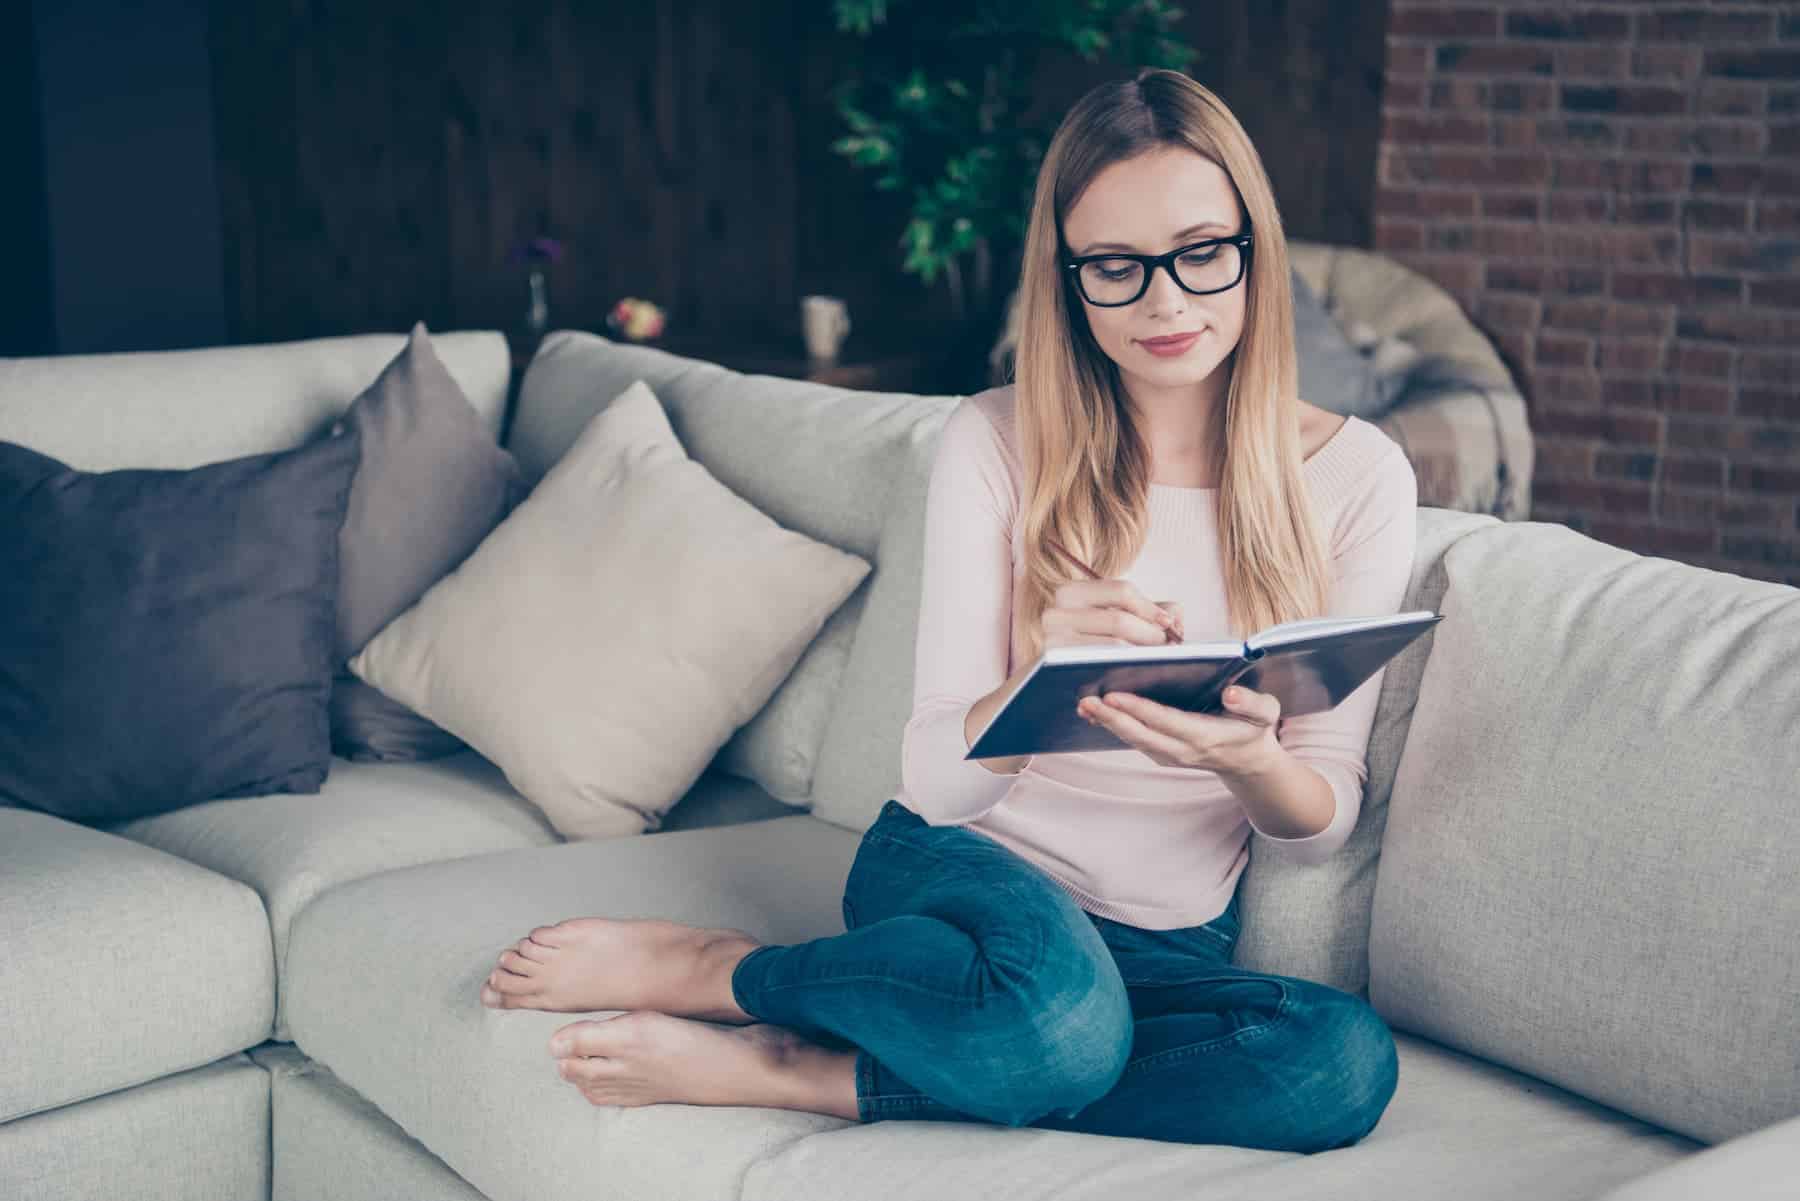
<point x="166" y="636"/>
<point x="1334" y="374"/>
<point x="431" y="486"/>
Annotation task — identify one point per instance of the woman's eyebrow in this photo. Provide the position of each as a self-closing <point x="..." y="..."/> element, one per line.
<point x="1181" y="233"/>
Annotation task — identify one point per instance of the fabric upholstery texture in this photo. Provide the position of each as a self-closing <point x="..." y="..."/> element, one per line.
<point x="121" y="964"/>
<point x="611" y="635"/>
<point x="368" y="818"/>
<point x="431" y="483"/>
<point x="386" y="977"/>
<point x="329" y="1142"/>
<point x="1456" y="1128"/>
<point x="391" y="1006"/>
<point x="166" y="634"/>
<point x="185" y="408"/>
<point x="1760" y="1166"/>
<point x="1334" y="374"/>
<point x="819" y="460"/>
<point x="198" y="1135"/>
<point x="859" y="760"/>
<point x="1586" y="871"/>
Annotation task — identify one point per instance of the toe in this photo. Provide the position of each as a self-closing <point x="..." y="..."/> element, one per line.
<point x="516" y="963"/>
<point x="536" y="952"/>
<point x="550" y="936"/>
<point x="511" y="985"/>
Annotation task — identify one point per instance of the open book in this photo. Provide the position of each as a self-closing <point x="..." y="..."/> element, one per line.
<point x="1309" y="666"/>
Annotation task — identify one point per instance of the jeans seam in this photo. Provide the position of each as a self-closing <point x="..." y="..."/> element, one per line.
<point x="1208" y="1046"/>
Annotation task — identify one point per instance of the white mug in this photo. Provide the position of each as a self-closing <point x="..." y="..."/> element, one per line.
<point x="825" y="320"/>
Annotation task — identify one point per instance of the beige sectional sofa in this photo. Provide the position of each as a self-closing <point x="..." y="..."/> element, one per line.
<point x="1572" y="891"/>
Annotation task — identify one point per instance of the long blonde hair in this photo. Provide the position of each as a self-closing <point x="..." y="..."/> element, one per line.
<point x="1087" y="469"/>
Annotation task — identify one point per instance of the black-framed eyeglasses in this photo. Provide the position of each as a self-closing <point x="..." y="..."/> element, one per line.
<point x="1199" y="268"/>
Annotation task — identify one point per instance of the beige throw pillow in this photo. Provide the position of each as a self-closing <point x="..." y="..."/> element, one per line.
<point x="608" y="637"/>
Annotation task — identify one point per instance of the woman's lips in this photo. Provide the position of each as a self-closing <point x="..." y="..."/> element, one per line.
<point x="1169" y="347"/>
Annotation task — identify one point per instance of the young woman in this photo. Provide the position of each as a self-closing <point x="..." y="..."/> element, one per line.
<point x="1048" y="942"/>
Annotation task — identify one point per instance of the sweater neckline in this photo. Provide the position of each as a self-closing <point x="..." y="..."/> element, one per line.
<point x="1313" y="466"/>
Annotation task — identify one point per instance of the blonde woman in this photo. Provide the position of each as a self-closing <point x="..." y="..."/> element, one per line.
<point x="1047" y="942"/>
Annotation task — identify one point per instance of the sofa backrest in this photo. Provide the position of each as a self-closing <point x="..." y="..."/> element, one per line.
<point x="821" y="460"/>
<point x="1588" y="869"/>
<point x="186" y="408"/>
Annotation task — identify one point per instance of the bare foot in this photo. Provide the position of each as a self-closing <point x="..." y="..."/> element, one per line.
<point x="589" y="963"/>
<point x="647" y="1058"/>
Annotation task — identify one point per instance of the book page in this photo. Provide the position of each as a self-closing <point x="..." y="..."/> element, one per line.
<point x="1290" y="631"/>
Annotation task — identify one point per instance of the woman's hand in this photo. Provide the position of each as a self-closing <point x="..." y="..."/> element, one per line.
<point x="1106" y="612"/>
<point x="1237" y="742"/>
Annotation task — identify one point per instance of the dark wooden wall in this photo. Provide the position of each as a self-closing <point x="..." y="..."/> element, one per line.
<point x="378" y="160"/>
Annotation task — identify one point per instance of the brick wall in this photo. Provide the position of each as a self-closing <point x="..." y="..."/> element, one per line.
<point x="1612" y="189"/>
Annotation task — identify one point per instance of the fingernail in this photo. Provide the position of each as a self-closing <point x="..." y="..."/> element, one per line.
<point x="560" y="1046"/>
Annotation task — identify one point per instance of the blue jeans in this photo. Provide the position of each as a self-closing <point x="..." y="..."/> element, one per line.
<point x="974" y="989"/>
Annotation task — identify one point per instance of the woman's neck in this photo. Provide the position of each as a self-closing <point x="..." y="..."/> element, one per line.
<point x="1179" y="426"/>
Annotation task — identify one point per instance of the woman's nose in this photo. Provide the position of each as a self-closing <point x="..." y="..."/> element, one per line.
<point x="1164" y="294"/>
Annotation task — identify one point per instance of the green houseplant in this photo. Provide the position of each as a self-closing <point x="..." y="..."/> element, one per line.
<point x="939" y="105"/>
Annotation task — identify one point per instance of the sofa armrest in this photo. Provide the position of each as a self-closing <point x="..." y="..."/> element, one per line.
<point x="1469" y="441"/>
<point x="1760" y="1166"/>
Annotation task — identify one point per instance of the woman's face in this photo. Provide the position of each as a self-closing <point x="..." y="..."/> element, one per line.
<point x="1152" y="204"/>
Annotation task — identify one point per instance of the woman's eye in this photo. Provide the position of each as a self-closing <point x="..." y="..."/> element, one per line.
<point x="1198" y="259"/>
<point x="1121" y="273"/>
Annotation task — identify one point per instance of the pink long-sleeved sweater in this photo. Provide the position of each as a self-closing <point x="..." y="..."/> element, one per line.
<point x="1155" y="847"/>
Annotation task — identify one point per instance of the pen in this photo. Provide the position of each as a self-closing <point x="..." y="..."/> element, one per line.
<point x="1169" y="634"/>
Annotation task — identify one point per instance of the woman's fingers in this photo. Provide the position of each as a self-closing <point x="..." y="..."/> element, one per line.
<point x="1112" y="594"/>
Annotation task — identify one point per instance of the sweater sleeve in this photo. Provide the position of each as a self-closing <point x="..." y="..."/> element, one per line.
<point x="1371" y="568"/>
<point x="965" y="620"/>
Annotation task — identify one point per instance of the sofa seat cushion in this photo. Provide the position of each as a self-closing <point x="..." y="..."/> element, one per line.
<point x="198" y="1135"/>
<point x="368" y="818"/>
<point x="329" y="1142"/>
<point x="1457" y="1127"/>
<point x="121" y="964"/>
<point x="384" y="980"/>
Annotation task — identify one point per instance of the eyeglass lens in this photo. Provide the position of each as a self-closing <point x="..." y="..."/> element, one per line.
<point x="1115" y="281"/>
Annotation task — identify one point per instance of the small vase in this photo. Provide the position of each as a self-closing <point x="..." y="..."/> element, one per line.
<point x="537" y="316"/>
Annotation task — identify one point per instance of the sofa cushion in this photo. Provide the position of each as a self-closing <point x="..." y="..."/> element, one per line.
<point x="385" y="976"/>
<point x="1456" y="1127"/>
<point x="327" y="1142"/>
<point x="368" y="818"/>
<point x="1586" y="872"/>
<point x="167" y="635"/>
<point x="819" y="460"/>
<point x="388" y="969"/>
<point x="183" y="408"/>
<point x="1312" y="920"/>
<point x="1760" y="1166"/>
<point x="859" y="759"/>
<point x="432" y="483"/>
<point x="121" y="964"/>
<point x="198" y="1135"/>
<point x="612" y="634"/>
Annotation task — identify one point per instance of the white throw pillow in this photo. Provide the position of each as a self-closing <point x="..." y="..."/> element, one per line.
<point x="608" y="637"/>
